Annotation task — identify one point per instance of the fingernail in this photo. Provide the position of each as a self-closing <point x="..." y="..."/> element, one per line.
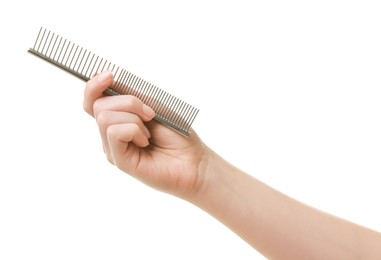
<point x="104" y="76"/>
<point x="148" y="111"/>
<point x="146" y="143"/>
<point x="147" y="133"/>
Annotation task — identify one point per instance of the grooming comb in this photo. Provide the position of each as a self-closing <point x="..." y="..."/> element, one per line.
<point x="83" y="64"/>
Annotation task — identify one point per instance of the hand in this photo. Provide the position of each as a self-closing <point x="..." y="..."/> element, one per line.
<point x="142" y="147"/>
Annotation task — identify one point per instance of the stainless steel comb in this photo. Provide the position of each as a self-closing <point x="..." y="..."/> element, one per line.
<point x="84" y="64"/>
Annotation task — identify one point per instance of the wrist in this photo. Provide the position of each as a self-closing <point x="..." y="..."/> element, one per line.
<point x="213" y="175"/>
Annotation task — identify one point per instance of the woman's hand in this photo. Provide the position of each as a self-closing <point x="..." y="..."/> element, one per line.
<point x="276" y="225"/>
<point x="142" y="147"/>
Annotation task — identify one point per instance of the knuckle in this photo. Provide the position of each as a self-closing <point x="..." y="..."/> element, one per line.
<point x="103" y="119"/>
<point x="87" y="97"/>
<point x="96" y="107"/>
<point x="136" y="129"/>
<point x="131" y="102"/>
<point x="86" y="107"/>
<point x="112" y="132"/>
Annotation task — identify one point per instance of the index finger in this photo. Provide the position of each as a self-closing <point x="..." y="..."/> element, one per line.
<point x="94" y="89"/>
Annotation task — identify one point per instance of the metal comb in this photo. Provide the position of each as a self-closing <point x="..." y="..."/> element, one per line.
<point x="83" y="64"/>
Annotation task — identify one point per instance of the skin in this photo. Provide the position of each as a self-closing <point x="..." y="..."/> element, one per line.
<point x="276" y="225"/>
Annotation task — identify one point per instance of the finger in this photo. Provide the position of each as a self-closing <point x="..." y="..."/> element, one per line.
<point x="125" y="103"/>
<point x="107" y="118"/>
<point x="119" y="138"/>
<point x="94" y="89"/>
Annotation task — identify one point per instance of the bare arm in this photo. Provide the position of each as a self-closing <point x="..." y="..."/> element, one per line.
<point x="277" y="226"/>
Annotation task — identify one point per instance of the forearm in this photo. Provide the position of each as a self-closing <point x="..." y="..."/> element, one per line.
<point x="276" y="225"/>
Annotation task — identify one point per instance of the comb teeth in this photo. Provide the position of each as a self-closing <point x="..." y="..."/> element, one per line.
<point x="83" y="64"/>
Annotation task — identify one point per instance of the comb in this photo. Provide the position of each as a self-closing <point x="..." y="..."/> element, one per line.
<point x="170" y="111"/>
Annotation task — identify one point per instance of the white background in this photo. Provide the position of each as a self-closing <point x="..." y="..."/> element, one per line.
<point x="288" y="91"/>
